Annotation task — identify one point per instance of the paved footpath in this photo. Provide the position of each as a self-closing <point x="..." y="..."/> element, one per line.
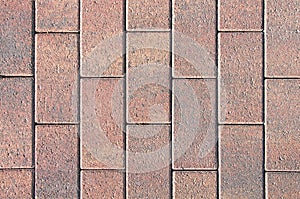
<point x="150" y="99"/>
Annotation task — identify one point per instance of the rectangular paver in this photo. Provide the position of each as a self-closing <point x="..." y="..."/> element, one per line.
<point x="16" y="99"/>
<point x="241" y="161"/>
<point x="241" y="72"/>
<point x="56" y="78"/>
<point x="56" y="165"/>
<point x="102" y="38"/>
<point x="102" y="184"/>
<point x="16" y="184"/>
<point x="194" y="143"/>
<point x="148" y="161"/>
<point x="57" y="16"/>
<point x="283" y="39"/>
<point x="16" y="37"/>
<point x="195" y="38"/>
<point x="148" y="79"/>
<point x="147" y="15"/>
<point x="283" y="119"/>
<point x="195" y="184"/>
<point x="283" y="185"/>
<point x="102" y="123"/>
<point x="241" y="15"/>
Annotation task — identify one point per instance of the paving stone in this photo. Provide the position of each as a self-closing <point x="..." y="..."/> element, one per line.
<point x="16" y="122"/>
<point x="194" y="144"/>
<point x="148" y="80"/>
<point x="102" y="123"/>
<point x="56" y="78"/>
<point x="194" y="38"/>
<point x="148" y="161"/>
<point x="102" y="38"/>
<point x="241" y="15"/>
<point x="16" y="184"/>
<point x="56" y="161"/>
<point x="16" y="37"/>
<point x="241" y="161"/>
<point x="192" y="184"/>
<point x="102" y="184"/>
<point x="60" y="16"/>
<point x="241" y="78"/>
<point x="283" y="185"/>
<point x="145" y="14"/>
<point x="283" y="38"/>
<point x="283" y="131"/>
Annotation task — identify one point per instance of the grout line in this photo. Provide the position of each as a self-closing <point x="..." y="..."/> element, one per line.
<point x="264" y="100"/>
<point x="239" y="30"/>
<point x="57" y="32"/>
<point x="148" y="30"/>
<point x="102" y="77"/>
<point x="148" y="124"/>
<point x="56" y="124"/>
<point x="172" y="103"/>
<point x="283" y="78"/>
<point x="218" y="90"/>
<point x="102" y="169"/>
<point x="125" y="109"/>
<point x="241" y="123"/>
<point x="282" y="171"/>
<point x="34" y="87"/>
<point x="17" y="168"/>
<point x="18" y="76"/>
<point x="193" y="169"/>
<point x="196" y="77"/>
<point x="79" y="98"/>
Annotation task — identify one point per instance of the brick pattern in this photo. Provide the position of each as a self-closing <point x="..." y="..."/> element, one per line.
<point x="149" y="99"/>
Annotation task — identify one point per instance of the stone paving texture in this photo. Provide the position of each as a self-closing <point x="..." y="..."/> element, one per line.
<point x="149" y="99"/>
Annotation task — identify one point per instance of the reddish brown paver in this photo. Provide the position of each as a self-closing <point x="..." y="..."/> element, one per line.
<point x="283" y="131"/>
<point x="16" y="184"/>
<point x="148" y="79"/>
<point x="56" y="161"/>
<point x="148" y="161"/>
<point x="195" y="124"/>
<point x="57" y="16"/>
<point x="102" y="123"/>
<point x="195" y="184"/>
<point x="241" y="15"/>
<point x="147" y="15"/>
<point x="283" y="185"/>
<point x="102" y="184"/>
<point x="56" y="78"/>
<point x="102" y="38"/>
<point x="241" y="78"/>
<point x="194" y="38"/>
<point x="283" y="38"/>
<point x="241" y="161"/>
<point x="16" y="122"/>
<point x="16" y="37"/>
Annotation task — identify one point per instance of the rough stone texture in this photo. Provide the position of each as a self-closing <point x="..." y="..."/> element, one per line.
<point x="192" y="184"/>
<point x="283" y="119"/>
<point x="16" y="37"/>
<point x="16" y="184"/>
<point x="53" y="15"/>
<point x="195" y="124"/>
<point x="102" y="38"/>
<point x="56" y="78"/>
<point x="241" y="14"/>
<point x="241" y="78"/>
<point x="148" y="161"/>
<point x="283" y="39"/>
<point x="148" y="77"/>
<point x="102" y="184"/>
<point x="283" y="185"/>
<point x="194" y="38"/>
<point x="145" y="14"/>
<point x="15" y="122"/>
<point x="241" y="161"/>
<point x="56" y="161"/>
<point x="102" y="123"/>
